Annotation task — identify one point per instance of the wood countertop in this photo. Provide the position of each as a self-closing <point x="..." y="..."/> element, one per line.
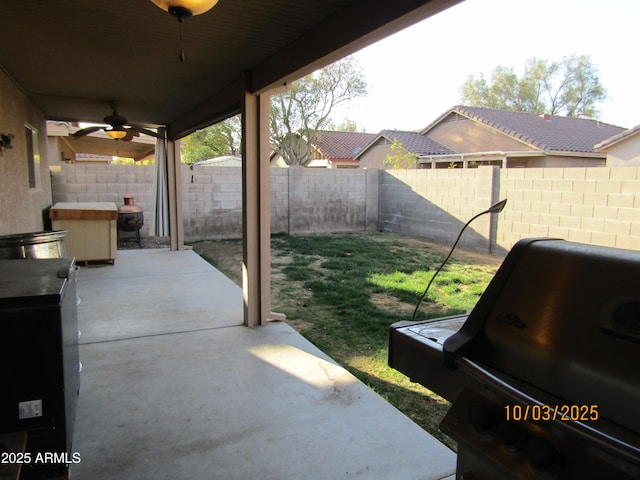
<point x="84" y="211"/>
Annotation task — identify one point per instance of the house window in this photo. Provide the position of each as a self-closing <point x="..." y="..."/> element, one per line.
<point x="33" y="156"/>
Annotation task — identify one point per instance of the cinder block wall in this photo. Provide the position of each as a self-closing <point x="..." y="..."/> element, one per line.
<point x="590" y="205"/>
<point x="280" y="200"/>
<point x="105" y="183"/>
<point x="600" y="206"/>
<point x="303" y="200"/>
<point x="335" y="200"/>
<point x="435" y="204"/>
<point x="212" y="202"/>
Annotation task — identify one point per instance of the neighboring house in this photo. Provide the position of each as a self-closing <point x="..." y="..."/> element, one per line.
<point x="333" y="150"/>
<point x="484" y="136"/>
<point x="376" y="153"/>
<point x="339" y="149"/>
<point x="277" y="160"/>
<point x="623" y="149"/>
<point x="469" y="137"/>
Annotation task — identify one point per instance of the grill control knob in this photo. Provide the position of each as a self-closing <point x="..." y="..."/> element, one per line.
<point x="542" y="454"/>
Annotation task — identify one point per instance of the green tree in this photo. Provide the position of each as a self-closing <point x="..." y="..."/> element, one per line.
<point x="570" y="87"/>
<point x="220" y="139"/>
<point x="348" y="125"/>
<point x="400" y="158"/>
<point x="299" y="113"/>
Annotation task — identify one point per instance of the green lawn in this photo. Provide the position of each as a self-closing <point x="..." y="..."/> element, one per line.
<point x="342" y="291"/>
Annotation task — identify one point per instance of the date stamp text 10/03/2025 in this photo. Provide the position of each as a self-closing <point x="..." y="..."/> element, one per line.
<point x="537" y="413"/>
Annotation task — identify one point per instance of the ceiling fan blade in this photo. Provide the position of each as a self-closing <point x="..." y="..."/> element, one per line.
<point x="86" y="131"/>
<point x="146" y="131"/>
<point x="131" y="132"/>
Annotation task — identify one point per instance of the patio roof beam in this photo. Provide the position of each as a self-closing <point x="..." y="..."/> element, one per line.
<point x="223" y="104"/>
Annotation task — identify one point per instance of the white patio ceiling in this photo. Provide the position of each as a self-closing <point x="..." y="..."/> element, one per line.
<point x="72" y="57"/>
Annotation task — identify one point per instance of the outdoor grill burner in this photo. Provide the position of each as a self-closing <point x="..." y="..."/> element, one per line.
<point x="544" y="373"/>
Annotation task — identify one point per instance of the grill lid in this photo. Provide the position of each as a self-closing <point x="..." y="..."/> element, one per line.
<point x="564" y="317"/>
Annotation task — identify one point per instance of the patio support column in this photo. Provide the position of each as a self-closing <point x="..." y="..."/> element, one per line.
<point x="256" y="212"/>
<point x="174" y="179"/>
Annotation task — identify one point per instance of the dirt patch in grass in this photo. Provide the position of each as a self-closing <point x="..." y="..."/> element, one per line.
<point x="467" y="255"/>
<point x="389" y="303"/>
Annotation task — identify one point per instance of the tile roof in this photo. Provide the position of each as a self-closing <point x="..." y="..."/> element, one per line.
<point x="416" y="143"/>
<point x="546" y="132"/>
<point x="611" y="141"/>
<point x="342" y="145"/>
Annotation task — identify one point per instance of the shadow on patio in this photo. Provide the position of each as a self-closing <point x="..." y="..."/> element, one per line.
<point x="174" y="387"/>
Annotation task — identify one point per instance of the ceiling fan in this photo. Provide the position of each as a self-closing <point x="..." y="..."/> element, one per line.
<point x="117" y="127"/>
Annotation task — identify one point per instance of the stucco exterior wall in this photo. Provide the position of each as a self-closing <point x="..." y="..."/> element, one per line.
<point x="464" y="135"/>
<point x="625" y="153"/>
<point x="375" y="156"/>
<point x="58" y="150"/>
<point x="562" y="161"/>
<point x="23" y="209"/>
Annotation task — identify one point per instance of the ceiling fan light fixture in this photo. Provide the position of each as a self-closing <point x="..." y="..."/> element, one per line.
<point x="117" y="133"/>
<point x="185" y="8"/>
<point x="182" y="9"/>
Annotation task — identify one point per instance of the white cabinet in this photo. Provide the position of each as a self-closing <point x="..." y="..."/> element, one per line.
<point x="92" y="227"/>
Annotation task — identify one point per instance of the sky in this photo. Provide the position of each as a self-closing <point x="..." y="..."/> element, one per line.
<point x="415" y="76"/>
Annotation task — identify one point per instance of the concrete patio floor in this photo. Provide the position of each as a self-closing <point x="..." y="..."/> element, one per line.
<point x="174" y="387"/>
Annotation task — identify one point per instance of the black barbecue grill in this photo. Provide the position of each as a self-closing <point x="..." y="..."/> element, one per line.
<point x="544" y="373"/>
